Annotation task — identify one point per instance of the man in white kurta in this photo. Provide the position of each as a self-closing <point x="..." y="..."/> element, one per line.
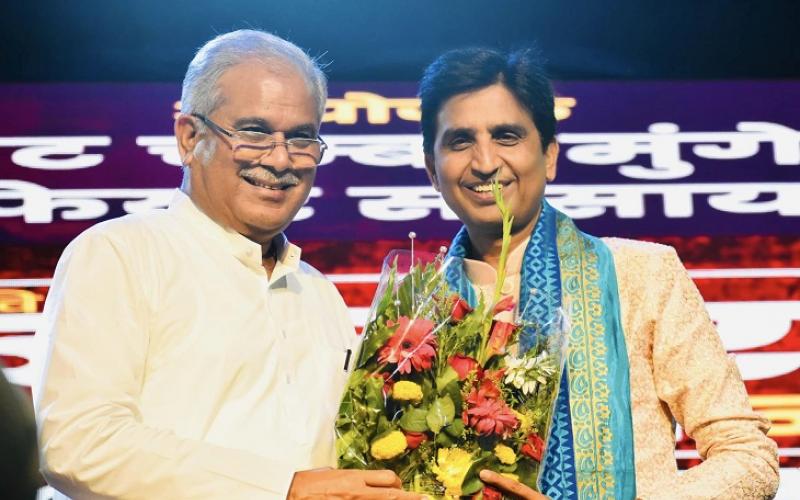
<point x="191" y="353"/>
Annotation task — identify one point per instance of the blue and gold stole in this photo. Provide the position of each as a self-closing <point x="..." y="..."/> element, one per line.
<point x="590" y="450"/>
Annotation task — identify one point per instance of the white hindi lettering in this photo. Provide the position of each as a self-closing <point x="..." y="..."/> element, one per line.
<point x="663" y="140"/>
<point x="307" y="212"/>
<point x="399" y="203"/>
<point x="661" y="143"/>
<point x="745" y="199"/>
<point x="163" y="146"/>
<point x="785" y="141"/>
<point x="37" y="204"/>
<point x="39" y="152"/>
<point x="344" y="111"/>
<point x="378" y="150"/>
<point x="585" y="201"/>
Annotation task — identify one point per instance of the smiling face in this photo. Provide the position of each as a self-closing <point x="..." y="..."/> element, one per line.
<point x="485" y="134"/>
<point x="260" y="200"/>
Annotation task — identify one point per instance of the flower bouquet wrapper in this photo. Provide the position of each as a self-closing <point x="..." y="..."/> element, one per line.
<point x="448" y="382"/>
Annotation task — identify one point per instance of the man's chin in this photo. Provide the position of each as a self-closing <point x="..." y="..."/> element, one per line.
<point x="484" y="226"/>
<point x="261" y="228"/>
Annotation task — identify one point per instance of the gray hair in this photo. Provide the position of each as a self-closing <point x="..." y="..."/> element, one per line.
<point x="200" y="93"/>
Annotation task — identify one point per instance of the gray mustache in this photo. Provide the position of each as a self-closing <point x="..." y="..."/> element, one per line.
<point x="266" y="176"/>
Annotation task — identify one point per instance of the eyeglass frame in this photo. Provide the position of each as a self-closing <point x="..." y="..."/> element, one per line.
<point x="234" y="134"/>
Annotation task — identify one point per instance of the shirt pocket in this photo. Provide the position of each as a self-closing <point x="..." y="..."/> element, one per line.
<point x="314" y="378"/>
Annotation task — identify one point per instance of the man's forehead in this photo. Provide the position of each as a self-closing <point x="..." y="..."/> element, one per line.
<point x="253" y="89"/>
<point x="489" y="107"/>
<point x="252" y="77"/>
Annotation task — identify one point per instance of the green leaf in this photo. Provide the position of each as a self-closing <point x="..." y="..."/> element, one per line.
<point x="351" y="448"/>
<point x="373" y="393"/>
<point x="344" y="442"/>
<point x="405" y="292"/>
<point x="456" y="428"/>
<point x="453" y="390"/>
<point x="427" y="387"/>
<point x="507" y="467"/>
<point x="387" y="298"/>
<point x="444" y="440"/>
<point x="383" y="425"/>
<point x="449" y="375"/>
<point x="413" y="419"/>
<point x="375" y="337"/>
<point x="346" y="410"/>
<point x="441" y="413"/>
<point x="527" y="470"/>
<point x="471" y="486"/>
<point x="472" y="483"/>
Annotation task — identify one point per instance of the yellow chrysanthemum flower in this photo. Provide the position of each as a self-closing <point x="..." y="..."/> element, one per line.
<point x="389" y="446"/>
<point x="452" y="465"/>
<point x="405" y="390"/>
<point x="524" y="421"/>
<point x="505" y="454"/>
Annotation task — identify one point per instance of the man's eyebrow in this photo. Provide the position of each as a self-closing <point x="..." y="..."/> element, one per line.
<point x="251" y="121"/>
<point x="305" y="128"/>
<point x="454" y="132"/>
<point x="514" y="128"/>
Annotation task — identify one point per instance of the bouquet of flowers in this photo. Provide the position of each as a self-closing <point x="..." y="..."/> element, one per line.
<point x="443" y="388"/>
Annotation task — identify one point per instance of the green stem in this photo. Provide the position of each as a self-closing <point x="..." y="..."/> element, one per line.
<point x="508" y="219"/>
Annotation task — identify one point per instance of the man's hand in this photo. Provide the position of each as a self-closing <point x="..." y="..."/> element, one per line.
<point x="509" y="486"/>
<point x="348" y="484"/>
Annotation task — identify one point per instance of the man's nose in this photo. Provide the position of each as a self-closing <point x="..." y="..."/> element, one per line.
<point x="277" y="156"/>
<point x="485" y="161"/>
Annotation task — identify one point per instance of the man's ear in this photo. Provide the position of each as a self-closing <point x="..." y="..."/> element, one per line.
<point x="551" y="160"/>
<point x="430" y="169"/>
<point x="186" y="134"/>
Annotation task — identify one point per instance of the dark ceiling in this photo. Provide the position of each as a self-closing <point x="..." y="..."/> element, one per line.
<point x="381" y="40"/>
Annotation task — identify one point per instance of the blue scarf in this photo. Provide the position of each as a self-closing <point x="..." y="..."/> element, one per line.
<point x="590" y="449"/>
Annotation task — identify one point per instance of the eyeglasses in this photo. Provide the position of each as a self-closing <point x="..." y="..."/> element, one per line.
<point x="251" y="146"/>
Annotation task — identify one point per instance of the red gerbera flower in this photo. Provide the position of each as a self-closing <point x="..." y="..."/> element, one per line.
<point x="411" y="346"/>
<point x="487" y="413"/>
